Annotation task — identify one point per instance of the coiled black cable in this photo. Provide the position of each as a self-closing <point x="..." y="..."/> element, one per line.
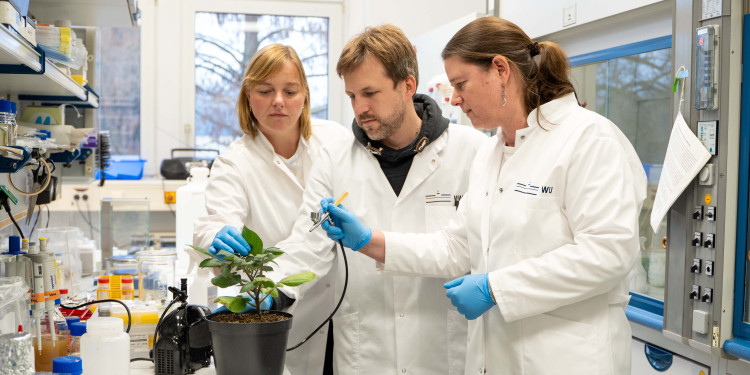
<point x="343" y="293"/>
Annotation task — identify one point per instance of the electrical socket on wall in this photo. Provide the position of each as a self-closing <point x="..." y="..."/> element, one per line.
<point x="569" y="15"/>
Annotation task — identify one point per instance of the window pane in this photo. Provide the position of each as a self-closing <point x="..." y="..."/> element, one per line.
<point x="224" y="45"/>
<point x="119" y="88"/>
<point x="635" y="93"/>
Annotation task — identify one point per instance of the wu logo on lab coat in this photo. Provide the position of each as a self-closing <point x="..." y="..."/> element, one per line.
<point x="531" y="189"/>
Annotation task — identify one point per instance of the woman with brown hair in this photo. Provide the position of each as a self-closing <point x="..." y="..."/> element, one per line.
<point x="549" y="226"/>
<point x="259" y="180"/>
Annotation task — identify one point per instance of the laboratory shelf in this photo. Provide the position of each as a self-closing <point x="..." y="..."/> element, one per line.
<point x="26" y="74"/>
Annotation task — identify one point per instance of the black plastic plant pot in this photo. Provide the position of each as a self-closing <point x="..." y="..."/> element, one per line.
<point x="249" y="348"/>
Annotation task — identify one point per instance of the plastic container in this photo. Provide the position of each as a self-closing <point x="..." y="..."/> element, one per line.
<point x="142" y="328"/>
<point x="77" y="330"/>
<point x="68" y="365"/>
<point x="124" y="169"/>
<point x="105" y="348"/>
<point x="102" y="288"/>
<point x="156" y="272"/>
<point x="8" y="125"/>
<point x="126" y="285"/>
<point x="52" y="323"/>
<point x="191" y="205"/>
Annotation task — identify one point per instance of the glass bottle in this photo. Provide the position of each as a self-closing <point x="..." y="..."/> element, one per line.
<point x="8" y="126"/>
<point x="76" y="331"/>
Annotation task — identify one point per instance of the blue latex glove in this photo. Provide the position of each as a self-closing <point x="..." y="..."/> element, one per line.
<point x="265" y="305"/>
<point x="346" y="228"/>
<point x="470" y="294"/>
<point x="229" y="239"/>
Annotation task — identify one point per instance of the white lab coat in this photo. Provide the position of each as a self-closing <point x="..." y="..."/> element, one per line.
<point x="250" y="184"/>
<point x="557" y="229"/>
<point x="386" y="324"/>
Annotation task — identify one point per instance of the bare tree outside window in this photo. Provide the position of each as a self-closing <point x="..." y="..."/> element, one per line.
<point x="119" y="88"/>
<point x="224" y="45"/>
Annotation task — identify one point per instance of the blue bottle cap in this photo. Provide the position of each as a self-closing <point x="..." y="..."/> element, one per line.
<point x="72" y="319"/>
<point x="67" y="365"/>
<point x="77" y="328"/>
<point x="7" y="106"/>
<point x="14" y="245"/>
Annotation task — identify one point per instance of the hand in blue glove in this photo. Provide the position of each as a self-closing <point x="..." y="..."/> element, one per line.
<point x="346" y="228"/>
<point x="229" y="239"/>
<point x="265" y="305"/>
<point x="470" y="294"/>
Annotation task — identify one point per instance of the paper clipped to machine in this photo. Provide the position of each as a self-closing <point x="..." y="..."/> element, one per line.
<point x="685" y="157"/>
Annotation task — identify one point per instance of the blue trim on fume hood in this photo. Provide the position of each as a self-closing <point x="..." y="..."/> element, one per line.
<point x="624" y="50"/>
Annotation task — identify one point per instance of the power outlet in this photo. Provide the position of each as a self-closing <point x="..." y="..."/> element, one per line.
<point x="569" y="15"/>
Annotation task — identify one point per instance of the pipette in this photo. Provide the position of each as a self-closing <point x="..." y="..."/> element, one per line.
<point x="37" y="301"/>
<point x="51" y="293"/>
<point x="327" y="215"/>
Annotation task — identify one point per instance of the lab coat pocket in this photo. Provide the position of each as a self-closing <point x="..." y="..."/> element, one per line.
<point x="457" y="341"/>
<point x="437" y="216"/>
<point x="555" y="345"/>
<point x="543" y="215"/>
<point x="346" y="337"/>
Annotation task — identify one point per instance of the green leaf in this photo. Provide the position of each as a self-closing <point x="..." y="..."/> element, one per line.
<point x="198" y="249"/>
<point x="226" y="270"/>
<point x="229" y="257"/>
<point x="247" y="287"/>
<point x="275" y="251"/>
<point x="225" y="281"/>
<point x="252" y="238"/>
<point x="224" y="300"/>
<point x="210" y="262"/>
<point x="262" y="280"/>
<point x="267" y="269"/>
<point x="298" y="279"/>
<point x="273" y="292"/>
<point x="238" y="305"/>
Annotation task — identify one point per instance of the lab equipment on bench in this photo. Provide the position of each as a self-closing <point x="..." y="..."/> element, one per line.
<point x="16" y="349"/>
<point x="8" y="125"/>
<point x="183" y="342"/>
<point x="156" y="271"/>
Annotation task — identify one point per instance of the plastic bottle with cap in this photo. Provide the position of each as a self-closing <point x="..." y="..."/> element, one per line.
<point x="67" y="365"/>
<point x="77" y="330"/>
<point x="190" y="205"/>
<point x="105" y="347"/>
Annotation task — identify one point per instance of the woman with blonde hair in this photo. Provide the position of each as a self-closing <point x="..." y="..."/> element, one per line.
<point x="258" y="181"/>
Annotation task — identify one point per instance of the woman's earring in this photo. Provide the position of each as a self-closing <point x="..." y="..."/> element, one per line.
<point x="505" y="100"/>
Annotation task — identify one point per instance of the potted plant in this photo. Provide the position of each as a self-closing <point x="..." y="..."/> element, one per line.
<point x="253" y="342"/>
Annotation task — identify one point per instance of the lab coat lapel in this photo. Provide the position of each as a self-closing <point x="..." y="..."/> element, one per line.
<point x="277" y="160"/>
<point x="423" y="165"/>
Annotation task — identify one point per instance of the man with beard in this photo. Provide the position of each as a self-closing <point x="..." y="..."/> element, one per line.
<point x="404" y="169"/>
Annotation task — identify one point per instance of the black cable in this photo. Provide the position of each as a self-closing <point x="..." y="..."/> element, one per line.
<point x="102" y="301"/>
<point x="141" y="359"/>
<point x="343" y="293"/>
<point x="14" y="223"/>
<point x="38" y="213"/>
<point x="47" y="207"/>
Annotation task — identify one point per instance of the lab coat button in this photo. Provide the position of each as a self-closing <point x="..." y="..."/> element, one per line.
<point x="403" y="370"/>
<point x="523" y="137"/>
<point x="486" y="193"/>
<point x="501" y="190"/>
